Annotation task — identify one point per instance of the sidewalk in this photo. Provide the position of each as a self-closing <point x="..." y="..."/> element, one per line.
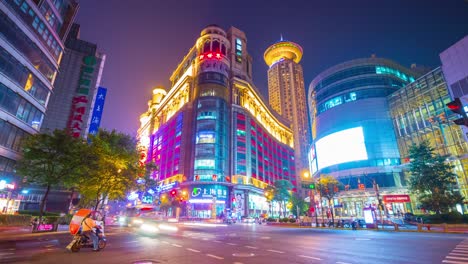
<point x="22" y="230"/>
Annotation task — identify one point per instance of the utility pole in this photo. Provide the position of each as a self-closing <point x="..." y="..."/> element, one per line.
<point x="379" y="205"/>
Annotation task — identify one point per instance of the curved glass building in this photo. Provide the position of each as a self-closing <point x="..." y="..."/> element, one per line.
<point x="352" y="131"/>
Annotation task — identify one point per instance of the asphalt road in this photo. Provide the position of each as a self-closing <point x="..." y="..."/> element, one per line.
<point x="241" y="243"/>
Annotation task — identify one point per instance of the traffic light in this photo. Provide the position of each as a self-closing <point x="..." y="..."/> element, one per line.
<point x="361" y="186"/>
<point x="173" y="193"/>
<point x="308" y="185"/>
<point x="456" y="106"/>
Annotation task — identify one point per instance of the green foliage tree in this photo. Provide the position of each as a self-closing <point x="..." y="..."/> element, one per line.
<point x="298" y="202"/>
<point x="52" y="160"/>
<point x="432" y="179"/>
<point x="146" y="181"/>
<point x="281" y="193"/>
<point x="327" y="187"/>
<point x="112" y="168"/>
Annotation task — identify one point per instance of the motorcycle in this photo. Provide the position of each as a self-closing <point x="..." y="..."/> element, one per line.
<point x="79" y="239"/>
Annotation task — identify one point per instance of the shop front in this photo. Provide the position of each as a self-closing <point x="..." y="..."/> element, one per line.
<point x="397" y="204"/>
<point x="9" y="201"/>
<point x="207" y="201"/>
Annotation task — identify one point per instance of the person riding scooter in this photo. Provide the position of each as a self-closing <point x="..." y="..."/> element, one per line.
<point x="87" y="230"/>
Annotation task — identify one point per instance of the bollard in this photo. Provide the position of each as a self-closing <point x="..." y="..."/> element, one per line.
<point x="419" y="227"/>
<point x="396" y="227"/>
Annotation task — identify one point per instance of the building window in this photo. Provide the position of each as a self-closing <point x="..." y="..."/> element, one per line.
<point x="238" y="50"/>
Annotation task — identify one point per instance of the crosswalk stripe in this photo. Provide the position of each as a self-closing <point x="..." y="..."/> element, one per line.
<point x="460" y="258"/>
<point x="453" y="262"/>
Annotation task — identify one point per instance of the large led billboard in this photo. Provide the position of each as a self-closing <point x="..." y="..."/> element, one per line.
<point x="340" y="147"/>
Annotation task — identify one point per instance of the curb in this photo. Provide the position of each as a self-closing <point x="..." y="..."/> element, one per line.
<point x="375" y="230"/>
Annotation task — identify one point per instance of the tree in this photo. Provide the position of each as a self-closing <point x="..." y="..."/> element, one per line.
<point x="280" y="192"/>
<point x="52" y="160"/>
<point x="113" y="168"/>
<point x="298" y="202"/>
<point x="327" y="187"/>
<point x="146" y="182"/>
<point x="432" y="179"/>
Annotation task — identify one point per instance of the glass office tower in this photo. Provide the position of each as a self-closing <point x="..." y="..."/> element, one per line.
<point x="31" y="47"/>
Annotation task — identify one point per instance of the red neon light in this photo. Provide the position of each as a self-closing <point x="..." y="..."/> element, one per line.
<point x="218" y="55"/>
<point x="202" y="56"/>
<point x="210" y="55"/>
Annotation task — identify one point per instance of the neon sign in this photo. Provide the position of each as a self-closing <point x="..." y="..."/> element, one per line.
<point x="211" y="55"/>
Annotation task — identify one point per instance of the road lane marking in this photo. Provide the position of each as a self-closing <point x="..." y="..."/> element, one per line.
<point x="462" y="246"/>
<point x="176" y="245"/>
<point x="133" y="241"/>
<point x="309" y="257"/>
<point x="339" y="262"/>
<point x="232" y="244"/>
<point x="193" y="250"/>
<point x="251" y="247"/>
<point x="275" y="251"/>
<point x="460" y="258"/>
<point x="217" y="241"/>
<point x="213" y="256"/>
<point x="362" y="238"/>
<point x="165" y="242"/>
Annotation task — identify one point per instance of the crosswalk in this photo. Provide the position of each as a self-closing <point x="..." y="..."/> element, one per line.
<point x="459" y="254"/>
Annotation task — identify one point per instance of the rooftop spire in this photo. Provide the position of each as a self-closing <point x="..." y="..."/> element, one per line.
<point x="281" y="37"/>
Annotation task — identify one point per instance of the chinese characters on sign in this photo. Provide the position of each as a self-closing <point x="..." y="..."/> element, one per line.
<point x="97" y="111"/>
<point x="208" y="191"/>
<point x="80" y="101"/>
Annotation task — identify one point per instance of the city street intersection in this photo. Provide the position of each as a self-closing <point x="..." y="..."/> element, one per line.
<point x="241" y="243"/>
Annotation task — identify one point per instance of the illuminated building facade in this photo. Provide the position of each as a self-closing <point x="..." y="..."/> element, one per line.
<point x="212" y="136"/>
<point x="352" y="131"/>
<point x="419" y="113"/>
<point x="31" y="48"/>
<point x="76" y="87"/>
<point x="286" y="94"/>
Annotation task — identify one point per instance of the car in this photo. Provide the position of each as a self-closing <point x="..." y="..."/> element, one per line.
<point x="362" y="223"/>
<point x="248" y="220"/>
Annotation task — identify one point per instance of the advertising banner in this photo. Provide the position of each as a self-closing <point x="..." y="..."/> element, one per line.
<point x="97" y="111"/>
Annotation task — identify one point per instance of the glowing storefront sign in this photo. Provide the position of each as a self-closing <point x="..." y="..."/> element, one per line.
<point x="167" y="187"/>
<point x="5" y="185"/>
<point x="206" y="192"/>
<point x="396" y="198"/>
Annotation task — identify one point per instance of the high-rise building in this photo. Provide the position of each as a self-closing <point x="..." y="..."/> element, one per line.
<point x="215" y="140"/>
<point x="286" y="95"/>
<point x="352" y="130"/>
<point x="76" y="87"/>
<point x="32" y="33"/>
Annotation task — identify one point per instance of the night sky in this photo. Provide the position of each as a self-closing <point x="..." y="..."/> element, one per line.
<point x="145" y="40"/>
